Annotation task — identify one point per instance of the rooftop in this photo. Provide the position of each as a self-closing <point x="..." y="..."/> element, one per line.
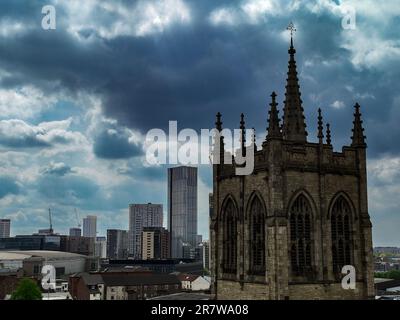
<point x="54" y="255"/>
<point x="113" y="279"/>
<point x="183" y="296"/>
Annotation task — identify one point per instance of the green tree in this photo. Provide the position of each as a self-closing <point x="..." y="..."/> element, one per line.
<point x="27" y="289"/>
<point x="393" y="274"/>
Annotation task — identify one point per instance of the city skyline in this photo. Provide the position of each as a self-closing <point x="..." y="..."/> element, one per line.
<point x="73" y="119"/>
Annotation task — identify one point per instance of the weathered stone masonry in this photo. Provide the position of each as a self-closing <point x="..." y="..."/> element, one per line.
<point x="285" y="231"/>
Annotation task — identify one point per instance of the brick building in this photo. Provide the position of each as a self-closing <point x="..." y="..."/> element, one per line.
<point x="286" y="230"/>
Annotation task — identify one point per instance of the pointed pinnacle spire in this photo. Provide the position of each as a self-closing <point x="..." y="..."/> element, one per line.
<point x="218" y="123"/>
<point x="254" y="140"/>
<point x="294" y="127"/>
<point x="242" y="135"/>
<point x="253" y="137"/>
<point x="219" y="145"/>
<point x="328" y="134"/>
<point x="358" y="138"/>
<point x="292" y="30"/>
<point x="320" y="127"/>
<point x="273" y="130"/>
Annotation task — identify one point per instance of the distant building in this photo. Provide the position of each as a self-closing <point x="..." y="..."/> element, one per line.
<point x="31" y="242"/>
<point x="32" y="261"/>
<point x="189" y="251"/>
<point x="117" y="244"/>
<point x="192" y="282"/>
<point x="139" y="285"/>
<point x="141" y="216"/>
<point x="199" y="239"/>
<point x="79" y="245"/>
<point x="155" y="243"/>
<point x="90" y="226"/>
<point x="158" y="266"/>
<point x="387" y="250"/>
<point x="5" y="228"/>
<point x="45" y="232"/>
<point x="100" y="247"/>
<point x="75" y="232"/>
<point x="206" y="255"/>
<point x="182" y="210"/>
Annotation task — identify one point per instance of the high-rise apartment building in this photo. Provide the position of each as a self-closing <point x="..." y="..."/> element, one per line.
<point x="155" y="243"/>
<point x="90" y="226"/>
<point x="206" y="255"/>
<point x="75" y="232"/>
<point x="182" y="210"/>
<point x="141" y="216"/>
<point x="100" y="247"/>
<point x="117" y="244"/>
<point x="5" y="228"/>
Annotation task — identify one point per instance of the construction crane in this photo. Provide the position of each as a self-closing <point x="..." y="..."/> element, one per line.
<point x="51" y="224"/>
<point x="77" y="218"/>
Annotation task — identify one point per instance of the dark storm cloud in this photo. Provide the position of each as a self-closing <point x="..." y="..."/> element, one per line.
<point x="188" y="73"/>
<point x="115" y="145"/>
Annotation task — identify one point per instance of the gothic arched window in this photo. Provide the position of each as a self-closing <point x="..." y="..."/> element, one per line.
<point x="300" y="235"/>
<point x="257" y="237"/>
<point x="341" y="234"/>
<point x="229" y="238"/>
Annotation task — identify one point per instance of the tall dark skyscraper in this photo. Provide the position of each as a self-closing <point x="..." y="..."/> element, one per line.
<point x="182" y="209"/>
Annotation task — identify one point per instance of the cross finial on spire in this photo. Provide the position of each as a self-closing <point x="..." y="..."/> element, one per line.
<point x="292" y="30"/>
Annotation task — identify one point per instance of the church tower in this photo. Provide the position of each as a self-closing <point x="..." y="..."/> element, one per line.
<point x="287" y="230"/>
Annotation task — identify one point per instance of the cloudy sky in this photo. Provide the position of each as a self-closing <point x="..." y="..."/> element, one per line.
<point x="76" y="102"/>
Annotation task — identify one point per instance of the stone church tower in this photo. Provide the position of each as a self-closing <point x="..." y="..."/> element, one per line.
<point x="286" y="230"/>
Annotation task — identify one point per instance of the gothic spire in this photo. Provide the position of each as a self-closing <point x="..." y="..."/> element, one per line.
<point x="220" y="150"/>
<point x="358" y="138"/>
<point x="294" y="127"/>
<point x="273" y="130"/>
<point x="218" y="123"/>
<point x="242" y="135"/>
<point x="320" y="127"/>
<point x="253" y="137"/>
<point x="328" y="134"/>
<point x="254" y="140"/>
